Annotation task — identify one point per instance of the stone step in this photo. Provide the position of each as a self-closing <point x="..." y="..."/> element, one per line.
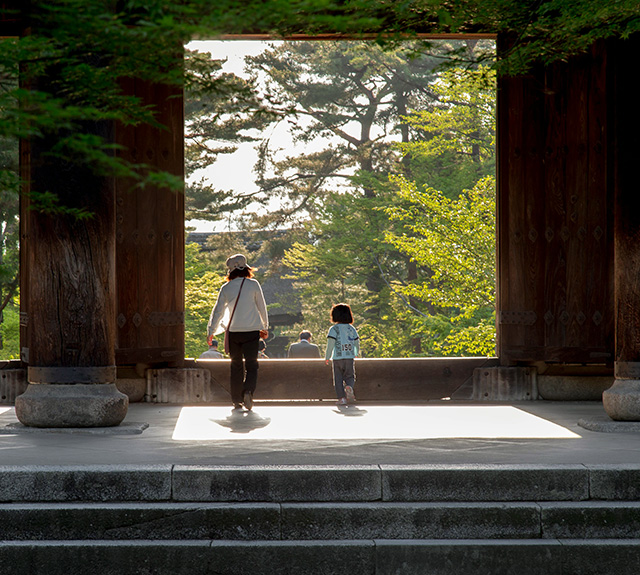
<point x="319" y="521"/>
<point x="336" y="557"/>
<point x="369" y="520"/>
<point x="283" y="484"/>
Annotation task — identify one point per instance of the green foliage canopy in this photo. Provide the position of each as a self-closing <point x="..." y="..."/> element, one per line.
<point x="455" y="136"/>
<point x="84" y="46"/>
<point x="455" y="240"/>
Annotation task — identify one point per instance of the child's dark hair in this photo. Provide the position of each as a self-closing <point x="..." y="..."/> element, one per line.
<point x="341" y="313"/>
<point x="240" y="273"/>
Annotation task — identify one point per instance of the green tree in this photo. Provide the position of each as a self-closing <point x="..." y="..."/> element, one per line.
<point x="9" y="247"/>
<point x="221" y="112"/>
<point x="349" y="96"/>
<point x="352" y="96"/>
<point x="454" y="152"/>
<point x="333" y="262"/>
<point x="455" y="240"/>
<point x="455" y="137"/>
<point x="201" y="288"/>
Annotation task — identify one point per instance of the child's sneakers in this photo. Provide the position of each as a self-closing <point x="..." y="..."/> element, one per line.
<point x="342" y="401"/>
<point x="351" y="398"/>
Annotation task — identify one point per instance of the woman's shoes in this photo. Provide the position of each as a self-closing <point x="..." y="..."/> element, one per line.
<point x="247" y="400"/>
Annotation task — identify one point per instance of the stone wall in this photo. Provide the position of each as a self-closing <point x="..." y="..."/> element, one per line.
<point x="404" y="380"/>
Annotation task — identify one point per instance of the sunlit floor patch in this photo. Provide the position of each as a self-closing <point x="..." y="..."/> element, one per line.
<point x="4" y="409"/>
<point x="364" y="422"/>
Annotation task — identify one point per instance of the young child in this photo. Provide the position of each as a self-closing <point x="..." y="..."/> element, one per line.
<point x="343" y="345"/>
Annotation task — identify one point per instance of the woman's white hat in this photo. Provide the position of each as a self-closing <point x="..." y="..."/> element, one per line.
<point x="237" y="262"/>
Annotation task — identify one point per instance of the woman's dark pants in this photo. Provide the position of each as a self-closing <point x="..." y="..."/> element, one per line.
<point x="244" y="377"/>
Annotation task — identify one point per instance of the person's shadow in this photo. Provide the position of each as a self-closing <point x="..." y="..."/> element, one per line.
<point x="350" y="411"/>
<point x="243" y="421"/>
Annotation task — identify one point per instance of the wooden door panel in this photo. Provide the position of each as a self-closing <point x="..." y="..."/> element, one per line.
<point x="555" y="292"/>
<point x="150" y="237"/>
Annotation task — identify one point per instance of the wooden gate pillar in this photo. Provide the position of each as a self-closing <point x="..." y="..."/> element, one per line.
<point x="69" y="299"/>
<point x="68" y="293"/>
<point x="622" y="400"/>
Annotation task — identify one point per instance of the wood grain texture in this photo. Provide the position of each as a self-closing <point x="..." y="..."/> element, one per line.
<point x="150" y="234"/>
<point x="627" y="207"/>
<point x="555" y="217"/>
<point x="71" y="263"/>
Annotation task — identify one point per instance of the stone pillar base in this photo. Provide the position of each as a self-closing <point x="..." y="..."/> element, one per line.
<point x="622" y="400"/>
<point x="71" y="405"/>
<point x="505" y="384"/>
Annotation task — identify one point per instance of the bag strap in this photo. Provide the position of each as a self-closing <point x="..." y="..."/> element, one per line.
<point x="236" y="304"/>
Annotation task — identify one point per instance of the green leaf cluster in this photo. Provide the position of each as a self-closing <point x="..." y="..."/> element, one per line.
<point x="454" y="241"/>
<point x="454" y="238"/>
<point x="201" y="288"/>
<point x="10" y="333"/>
<point x="456" y="133"/>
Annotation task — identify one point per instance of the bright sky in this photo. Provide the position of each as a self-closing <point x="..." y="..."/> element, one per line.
<point x="235" y="171"/>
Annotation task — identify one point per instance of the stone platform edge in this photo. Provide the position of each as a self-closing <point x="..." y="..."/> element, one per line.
<point x="348" y="557"/>
<point x="314" y="483"/>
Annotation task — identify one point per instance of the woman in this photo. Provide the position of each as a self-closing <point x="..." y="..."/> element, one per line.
<point x="245" y="317"/>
